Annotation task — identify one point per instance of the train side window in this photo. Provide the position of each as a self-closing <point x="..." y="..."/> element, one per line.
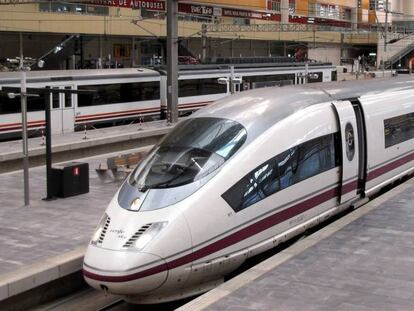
<point x="119" y="93"/>
<point x="254" y="187"/>
<point x="13" y="105"/>
<point x="288" y="166"/>
<point x="398" y="129"/>
<point x="197" y="87"/>
<point x="316" y="156"/>
<point x="286" y="169"/>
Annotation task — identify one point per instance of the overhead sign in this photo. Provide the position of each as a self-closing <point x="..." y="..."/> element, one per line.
<point x="226" y="12"/>
<point x="196" y="9"/>
<point x="155" y="5"/>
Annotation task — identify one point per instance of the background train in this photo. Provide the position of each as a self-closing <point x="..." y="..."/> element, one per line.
<point x="245" y="174"/>
<point x="127" y="94"/>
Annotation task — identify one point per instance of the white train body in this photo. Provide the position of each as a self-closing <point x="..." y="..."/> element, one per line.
<point x="127" y="94"/>
<point x="279" y="161"/>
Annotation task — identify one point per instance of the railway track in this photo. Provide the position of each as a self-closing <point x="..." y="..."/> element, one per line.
<point x="92" y="300"/>
<point x="85" y="300"/>
<point x="110" y="306"/>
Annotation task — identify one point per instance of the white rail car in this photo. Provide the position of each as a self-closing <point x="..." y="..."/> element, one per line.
<point x="127" y="94"/>
<point x="245" y="174"/>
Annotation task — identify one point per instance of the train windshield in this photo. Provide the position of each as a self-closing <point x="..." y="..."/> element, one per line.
<point x="194" y="149"/>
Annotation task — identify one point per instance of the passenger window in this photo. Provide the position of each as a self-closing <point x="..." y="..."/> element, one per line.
<point x="398" y="129"/>
<point x="254" y="187"/>
<point x="309" y="164"/>
<point x="288" y="165"/>
<point x="118" y="93"/>
<point x="286" y="169"/>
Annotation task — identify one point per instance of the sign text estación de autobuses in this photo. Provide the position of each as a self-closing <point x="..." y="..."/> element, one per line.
<point x="156" y="5"/>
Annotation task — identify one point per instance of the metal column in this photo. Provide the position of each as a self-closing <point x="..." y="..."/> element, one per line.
<point x="133" y="52"/>
<point x="48" y="120"/>
<point x="23" y="100"/>
<point x="386" y="28"/>
<point x="172" y="61"/>
<point x="204" y="42"/>
<point x="23" y="103"/>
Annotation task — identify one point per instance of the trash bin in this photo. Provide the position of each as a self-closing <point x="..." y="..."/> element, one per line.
<point x="70" y="179"/>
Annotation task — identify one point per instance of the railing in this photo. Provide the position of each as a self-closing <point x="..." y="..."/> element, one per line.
<point x="17" y="1"/>
<point x="297" y="27"/>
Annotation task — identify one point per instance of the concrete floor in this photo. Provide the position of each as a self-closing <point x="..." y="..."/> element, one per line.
<point x="47" y="228"/>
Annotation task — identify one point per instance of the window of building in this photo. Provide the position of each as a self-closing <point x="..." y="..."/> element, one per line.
<point x="122" y="50"/>
<point x="324" y="10"/>
<point x="286" y="169"/>
<point x="274" y="5"/>
<point x="292" y="7"/>
<point x="377" y="5"/>
<point x="346" y="14"/>
<point x="399" y="129"/>
<point x="197" y="87"/>
<point x="73" y="8"/>
<point x="152" y="14"/>
<point x="119" y="93"/>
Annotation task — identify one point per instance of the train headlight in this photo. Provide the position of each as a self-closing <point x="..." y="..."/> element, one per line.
<point x="136" y="204"/>
<point x="100" y="230"/>
<point x="148" y="235"/>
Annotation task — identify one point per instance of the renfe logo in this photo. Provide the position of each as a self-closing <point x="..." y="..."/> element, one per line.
<point x="76" y="171"/>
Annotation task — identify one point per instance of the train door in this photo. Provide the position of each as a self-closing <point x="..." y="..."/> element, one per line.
<point x="351" y="165"/>
<point x="62" y="111"/>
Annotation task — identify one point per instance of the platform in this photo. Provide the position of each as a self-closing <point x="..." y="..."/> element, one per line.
<point x="47" y="240"/>
<point x="363" y="261"/>
<point x="75" y="145"/>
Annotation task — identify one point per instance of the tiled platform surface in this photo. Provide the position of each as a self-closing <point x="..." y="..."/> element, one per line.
<point x="47" y="239"/>
<point x="362" y="262"/>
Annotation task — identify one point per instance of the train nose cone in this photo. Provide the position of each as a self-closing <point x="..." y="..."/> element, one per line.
<point x="123" y="272"/>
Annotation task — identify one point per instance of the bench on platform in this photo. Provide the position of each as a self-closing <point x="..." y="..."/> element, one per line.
<point x="120" y="165"/>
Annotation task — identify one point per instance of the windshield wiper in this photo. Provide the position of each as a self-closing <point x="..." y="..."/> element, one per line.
<point x="196" y="163"/>
<point x="167" y="183"/>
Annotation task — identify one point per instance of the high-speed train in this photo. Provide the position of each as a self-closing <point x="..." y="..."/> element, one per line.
<point x="128" y="94"/>
<point x="243" y="175"/>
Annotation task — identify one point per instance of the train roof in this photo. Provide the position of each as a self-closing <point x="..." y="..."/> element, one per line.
<point x="259" y="109"/>
<point x="80" y="74"/>
<point x="243" y="68"/>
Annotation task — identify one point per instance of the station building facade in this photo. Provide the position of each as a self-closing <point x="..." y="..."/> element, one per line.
<point x="99" y="33"/>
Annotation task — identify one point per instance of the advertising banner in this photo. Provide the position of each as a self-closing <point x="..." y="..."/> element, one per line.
<point x="196" y="9"/>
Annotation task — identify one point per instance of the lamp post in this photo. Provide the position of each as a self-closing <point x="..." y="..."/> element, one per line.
<point x="172" y="61"/>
